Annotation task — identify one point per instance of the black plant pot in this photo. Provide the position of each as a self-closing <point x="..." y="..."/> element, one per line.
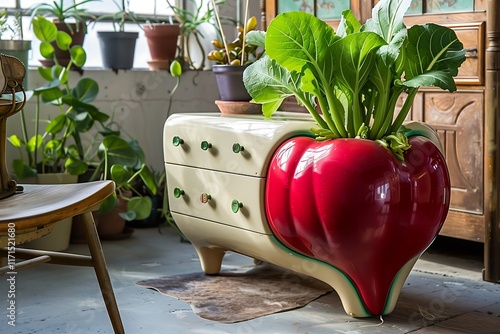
<point x="117" y="49"/>
<point x="230" y="82"/>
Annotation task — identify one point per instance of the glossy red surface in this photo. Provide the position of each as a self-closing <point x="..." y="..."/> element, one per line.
<point x="352" y="204"/>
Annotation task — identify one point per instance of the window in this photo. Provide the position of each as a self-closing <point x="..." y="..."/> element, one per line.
<point x="143" y="8"/>
<point x="440" y="6"/>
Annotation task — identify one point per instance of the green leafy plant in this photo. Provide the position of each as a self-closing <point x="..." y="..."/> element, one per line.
<point x="14" y="29"/>
<point x="238" y="52"/>
<point x="60" y="11"/>
<point x="356" y="75"/>
<point x="190" y="22"/>
<point x="58" y="147"/>
<point x="123" y="161"/>
<point x="121" y="16"/>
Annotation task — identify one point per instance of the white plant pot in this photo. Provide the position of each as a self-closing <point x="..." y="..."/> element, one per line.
<point x="58" y="239"/>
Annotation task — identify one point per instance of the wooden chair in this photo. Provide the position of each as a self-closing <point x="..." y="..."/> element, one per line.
<point x="29" y="212"/>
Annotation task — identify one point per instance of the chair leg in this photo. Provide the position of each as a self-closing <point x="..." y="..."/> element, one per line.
<point x="102" y="272"/>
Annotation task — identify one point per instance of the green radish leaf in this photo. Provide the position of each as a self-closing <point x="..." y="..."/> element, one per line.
<point x="349" y="24"/>
<point x="441" y="79"/>
<point x="256" y="37"/>
<point x="387" y="18"/>
<point x="269" y="84"/>
<point x="356" y="58"/>
<point x="432" y="48"/>
<point x="296" y="39"/>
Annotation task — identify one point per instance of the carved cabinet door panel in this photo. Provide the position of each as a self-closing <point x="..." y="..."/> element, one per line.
<point x="459" y="120"/>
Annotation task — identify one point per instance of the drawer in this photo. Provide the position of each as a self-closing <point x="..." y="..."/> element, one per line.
<point x="472" y="36"/>
<point x="241" y="144"/>
<point x="209" y="195"/>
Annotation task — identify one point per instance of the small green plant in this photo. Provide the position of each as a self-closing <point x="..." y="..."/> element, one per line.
<point x="123" y="161"/>
<point x="14" y="29"/>
<point x="357" y="74"/>
<point x="238" y="52"/>
<point x="120" y="17"/>
<point x="60" y="11"/>
<point x="190" y="22"/>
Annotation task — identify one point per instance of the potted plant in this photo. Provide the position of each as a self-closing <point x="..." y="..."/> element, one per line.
<point x="231" y="59"/>
<point x="12" y="38"/>
<point x="162" y="38"/>
<point x="123" y="161"/>
<point x="118" y="46"/>
<point x="369" y="193"/>
<point x="72" y="19"/>
<point x="197" y="29"/>
<point x="55" y="151"/>
<point x="58" y="147"/>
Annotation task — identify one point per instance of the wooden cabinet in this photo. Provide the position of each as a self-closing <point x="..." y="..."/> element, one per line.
<point x="466" y="120"/>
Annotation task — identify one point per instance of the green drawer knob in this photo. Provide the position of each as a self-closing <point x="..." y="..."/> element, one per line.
<point x="204" y="198"/>
<point x="205" y="145"/>
<point x="237" y="148"/>
<point x="178" y="192"/>
<point x="236" y="205"/>
<point x="177" y="141"/>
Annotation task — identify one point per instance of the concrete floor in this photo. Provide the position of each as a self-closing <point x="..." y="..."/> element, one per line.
<point x="443" y="294"/>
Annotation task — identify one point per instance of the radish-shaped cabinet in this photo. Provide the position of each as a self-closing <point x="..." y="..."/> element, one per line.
<point x="345" y="211"/>
<point x="345" y="193"/>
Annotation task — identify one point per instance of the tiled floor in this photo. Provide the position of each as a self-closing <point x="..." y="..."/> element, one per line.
<point x="443" y="294"/>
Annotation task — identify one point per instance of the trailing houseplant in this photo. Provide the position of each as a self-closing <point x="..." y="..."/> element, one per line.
<point x="58" y="146"/>
<point x="123" y="161"/>
<point x="369" y="194"/>
<point x="69" y="17"/>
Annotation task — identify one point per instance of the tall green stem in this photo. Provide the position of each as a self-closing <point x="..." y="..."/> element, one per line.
<point x="404" y="110"/>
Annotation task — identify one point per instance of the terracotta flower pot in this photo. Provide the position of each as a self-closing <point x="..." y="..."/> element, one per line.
<point x="162" y="42"/>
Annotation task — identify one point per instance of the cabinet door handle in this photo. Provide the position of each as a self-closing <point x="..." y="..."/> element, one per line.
<point x="471" y="52"/>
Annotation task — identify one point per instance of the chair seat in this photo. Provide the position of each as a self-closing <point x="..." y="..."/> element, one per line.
<point x="45" y="204"/>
